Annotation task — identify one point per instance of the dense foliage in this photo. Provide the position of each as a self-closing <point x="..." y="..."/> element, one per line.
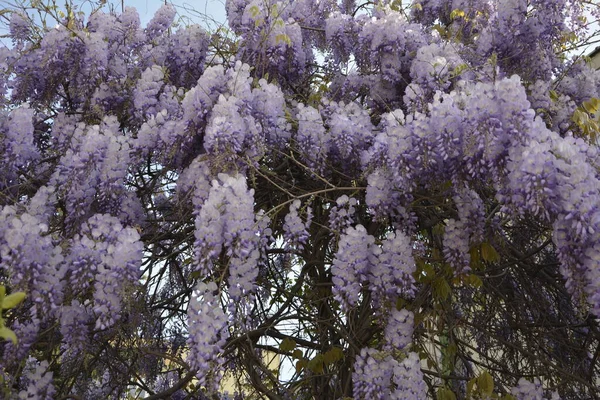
<point x="400" y="201"/>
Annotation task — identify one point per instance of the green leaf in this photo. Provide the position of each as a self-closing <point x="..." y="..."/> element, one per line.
<point x="441" y="289"/>
<point x="592" y="105"/>
<point x="488" y="253"/>
<point x="287" y="344"/>
<point x="13" y="300"/>
<point x="7" y="334"/>
<point x="316" y="365"/>
<point x="301" y="364"/>
<point x="457" y="13"/>
<point x="470" y="386"/>
<point x="445" y="394"/>
<point x="485" y="383"/>
<point x="333" y="355"/>
<point x="297" y="354"/>
<point x="473" y="280"/>
<point x="443" y="32"/>
<point x="451" y="349"/>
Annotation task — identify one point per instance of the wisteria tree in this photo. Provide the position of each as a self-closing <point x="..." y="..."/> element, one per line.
<point x="397" y="201"/>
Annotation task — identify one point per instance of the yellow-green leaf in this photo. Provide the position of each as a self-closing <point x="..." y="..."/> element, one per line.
<point x="592" y="105"/>
<point x="443" y="32"/>
<point x="316" y="364"/>
<point x="13" y="300"/>
<point x="441" y="289"/>
<point x="485" y="383"/>
<point x="451" y="349"/>
<point x="287" y="344"/>
<point x="470" y="386"/>
<point x="8" y="334"/>
<point x="298" y="354"/>
<point x="488" y="253"/>
<point x="301" y="364"/>
<point x="457" y="13"/>
<point x="473" y="280"/>
<point x="445" y="394"/>
<point x="333" y="355"/>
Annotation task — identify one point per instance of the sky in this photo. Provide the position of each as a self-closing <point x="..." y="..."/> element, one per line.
<point x="203" y="12"/>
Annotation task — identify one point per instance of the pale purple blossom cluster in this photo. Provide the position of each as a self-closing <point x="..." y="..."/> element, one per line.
<point x="17" y="147"/>
<point x="378" y="375"/>
<point x="399" y="329"/>
<point x="226" y="223"/>
<point x="93" y="167"/>
<point x="207" y="328"/>
<point x="526" y="390"/>
<point x="466" y="231"/>
<point x="272" y="39"/>
<point x="38" y="380"/>
<point x="351" y="264"/>
<point x="110" y="254"/>
<point x="162" y="20"/>
<point x="391" y="274"/>
<point x="295" y="230"/>
<point x="341" y="214"/>
<point x="359" y="263"/>
<point x="31" y="261"/>
<point x="387" y="43"/>
<point x="312" y="137"/>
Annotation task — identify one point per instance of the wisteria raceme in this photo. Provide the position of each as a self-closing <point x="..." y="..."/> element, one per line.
<point x="296" y="230"/>
<point x="115" y="253"/>
<point x="17" y="143"/>
<point x="391" y="274"/>
<point x="388" y="42"/>
<point x="161" y="21"/>
<point x="466" y="231"/>
<point x="312" y="137"/>
<point x="207" y="328"/>
<point x="228" y="131"/>
<point x="339" y="30"/>
<point x="342" y="214"/>
<point x="378" y="375"/>
<point x="268" y="108"/>
<point x="74" y="321"/>
<point x="351" y="265"/>
<point x="185" y="55"/>
<point x="350" y="130"/>
<point x="19" y="27"/>
<point x="226" y="222"/>
<point x="381" y="196"/>
<point x="456" y="245"/>
<point x="199" y="100"/>
<point x="408" y="379"/>
<point x="145" y="96"/>
<point x="39" y="381"/>
<point x="399" y="329"/>
<point x="373" y="375"/>
<point x="31" y="261"/>
<point x="94" y="166"/>
<point x="526" y="390"/>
